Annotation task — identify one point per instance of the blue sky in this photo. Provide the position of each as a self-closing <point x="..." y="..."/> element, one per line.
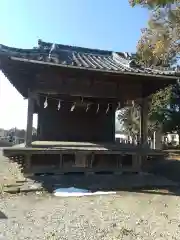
<point x="103" y="24"/>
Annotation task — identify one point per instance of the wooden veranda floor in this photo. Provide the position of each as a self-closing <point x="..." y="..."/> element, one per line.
<point x="64" y="147"/>
<point x="58" y="157"/>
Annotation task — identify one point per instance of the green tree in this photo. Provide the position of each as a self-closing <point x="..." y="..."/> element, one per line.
<point x="129" y="120"/>
<point x="159" y="109"/>
<point x="172" y="122"/>
<point x="152" y="3"/>
<point x="160" y="46"/>
<point x="160" y="41"/>
<point x="158" y="116"/>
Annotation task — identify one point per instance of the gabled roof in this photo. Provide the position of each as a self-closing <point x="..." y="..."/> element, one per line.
<point x="77" y="57"/>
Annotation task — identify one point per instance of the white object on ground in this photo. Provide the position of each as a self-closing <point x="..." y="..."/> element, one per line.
<point x="76" y="192"/>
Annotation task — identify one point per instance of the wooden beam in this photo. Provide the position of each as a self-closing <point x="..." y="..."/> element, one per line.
<point x="89" y="86"/>
<point x="99" y="90"/>
<point x="30" y="111"/>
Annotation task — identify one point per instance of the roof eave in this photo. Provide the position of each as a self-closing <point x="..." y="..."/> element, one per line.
<point x="160" y="76"/>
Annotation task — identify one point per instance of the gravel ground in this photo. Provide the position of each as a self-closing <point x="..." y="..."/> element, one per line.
<point x="9" y="172"/>
<point x="126" y="215"/>
<point x="122" y="216"/>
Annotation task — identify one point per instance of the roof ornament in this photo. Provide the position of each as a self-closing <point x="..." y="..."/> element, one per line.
<point x="52" y="49"/>
<point x="126" y="54"/>
<point x="120" y="60"/>
<point x="73" y="107"/>
<point x="107" y="110"/>
<point x="97" y="108"/>
<point x="46" y="103"/>
<point x="59" y="105"/>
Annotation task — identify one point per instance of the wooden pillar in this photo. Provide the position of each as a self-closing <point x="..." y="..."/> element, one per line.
<point x="140" y="160"/>
<point x="39" y="127"/>
<point x="158" y="139"/>
<point x="61" y="161"/>
<point x="30" y="111"/>
<point x="144" y="121"/>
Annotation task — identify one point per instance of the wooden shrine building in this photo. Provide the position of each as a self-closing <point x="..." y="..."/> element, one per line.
<point x="75" y="92"/>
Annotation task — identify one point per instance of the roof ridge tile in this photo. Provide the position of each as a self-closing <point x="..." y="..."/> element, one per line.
<point x="72" y="56"/>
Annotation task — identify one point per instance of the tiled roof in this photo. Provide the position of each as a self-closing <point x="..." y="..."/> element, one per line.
<point x="82" y="58"/>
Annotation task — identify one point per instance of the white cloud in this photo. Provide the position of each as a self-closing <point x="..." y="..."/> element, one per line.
<point x="13" y="108"/>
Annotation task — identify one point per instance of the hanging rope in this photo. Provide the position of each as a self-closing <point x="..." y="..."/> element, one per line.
<point x="73" y="107"/>
<point x="107" y="110"/>
<point x="46" y="103"/>
<point x="81" y="101"/>
<point x="133" y="103"/>
<point x="119" y="106"/>
<point x="59" y="105"/>
<point x="97" y="108"/>
<point x="88" y="106"/>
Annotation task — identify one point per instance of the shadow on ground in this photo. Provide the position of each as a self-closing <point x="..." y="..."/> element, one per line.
<point x="2" y="216"/>
<point x="161" y="177"/>
<point x="167" y="168"/>
<point x="146" y="183"/>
